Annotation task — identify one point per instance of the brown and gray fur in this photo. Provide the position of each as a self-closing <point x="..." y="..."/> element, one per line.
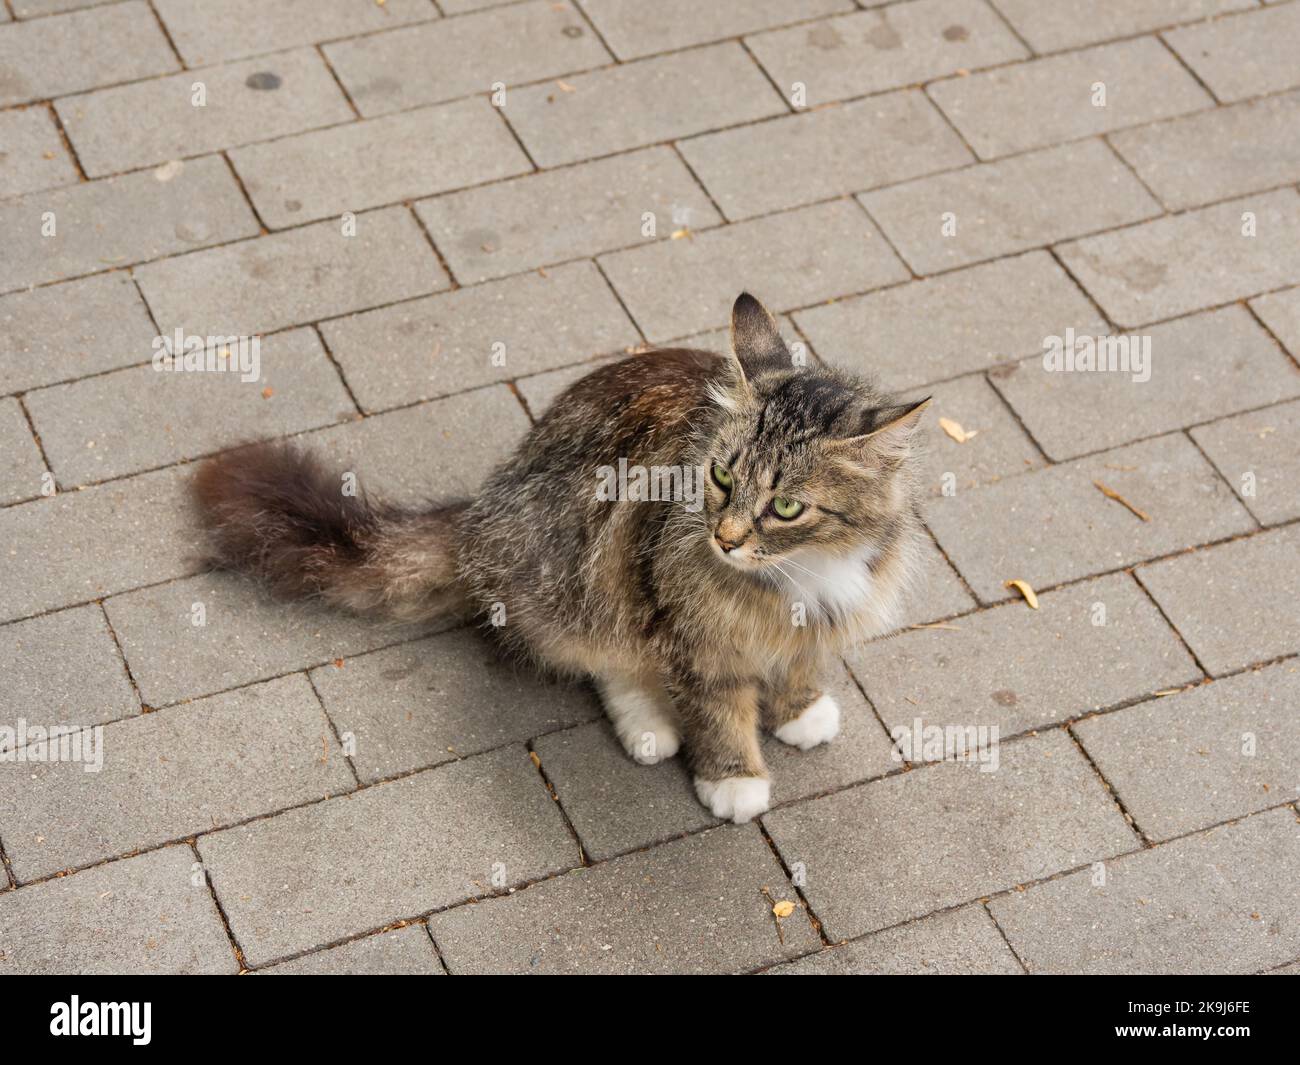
<point x="639" y="596"/>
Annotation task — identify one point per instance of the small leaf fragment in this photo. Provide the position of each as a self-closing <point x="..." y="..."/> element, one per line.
<point x="783" y="908"/>
<point x="954" y="430"/>
<point x="1023" y="588"/>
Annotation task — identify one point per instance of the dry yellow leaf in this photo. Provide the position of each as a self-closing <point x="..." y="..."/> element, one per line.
<point x="954" y="430"/>
<point x="1023" y="588"/>
<point x="783" y="908"/>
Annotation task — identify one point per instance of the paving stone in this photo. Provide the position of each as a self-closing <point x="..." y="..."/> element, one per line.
<point x="441" y="450"/>
<point x="208" y="33"/>
<point x="474" y="336"/>
<point x="1200" y="367"/>
<point x="873" y="50"/>
<point x="308" y="877"/>
<point x="120" y="221"/>
<point x="35" y="8"/>
<point x="1280" y="311"/>
<point x="1033" y="105"/>
<point x="915" y="842"/>
<point x="64" y="331"/>
<point x="140" y="915"/>
<point x="547" y="218"/>
<point x="106" y="130"/>
<point x="1182" y="263"/>
<point x="1055" y="525"/>
<point x="81" y="50"/>
<point x="293" y="278"/>
<point x="1244" y="55"/>
<point x="1009" y="206"/>
<point x="824" y="153"/>
<point x="437" y="61"/>
<point x="1205" y="755"/>
<point x="367" y="164"/>
<point x="634" y="29"/>
<point x="405" y="952"/>
<point x="172" y="773"/>
<point x="141" y="418"/>
<point x="862" y="750"/>
<point x="1234" y="604"/>
<point x="33" y="156"/>
<point x="617" y="806"/>
<point x="1053" y="27"/>
<point x="967" y="320"/>
<point x="998" y="449"/>
<point x="245" y="636"/>
<point x="788" y="260"/>
<point x="21" y="466"/>
<point x="1002" y="658"/>
<point x="937" y="593"/>
<point x="63" y="669"/>
<point x="962" y="942"/>
<point x="110" y="538"/>
<point x="1259" y="453"/>
<point x="1222" y="901"/>
<point x="439" y="700"/>
<point x="1215" y="154"/>
<point x="641" y="103"/>
<point x="691" y="906"/>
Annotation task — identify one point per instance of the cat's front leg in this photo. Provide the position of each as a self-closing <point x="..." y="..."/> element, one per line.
<point x="642" y="715"/>
<point x="720" y="722"/>
<point x="796" y="711"/>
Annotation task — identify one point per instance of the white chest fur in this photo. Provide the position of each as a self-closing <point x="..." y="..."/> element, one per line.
<point x="832" y="586"/>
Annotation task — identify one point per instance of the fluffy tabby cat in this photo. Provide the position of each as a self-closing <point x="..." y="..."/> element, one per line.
<point x="697" y="625"/>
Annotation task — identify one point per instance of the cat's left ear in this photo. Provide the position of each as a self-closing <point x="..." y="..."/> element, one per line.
<point x="891" y="430"/>
<point x="755" y="336"/>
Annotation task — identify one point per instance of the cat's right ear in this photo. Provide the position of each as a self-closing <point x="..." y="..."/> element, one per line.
<point x="755" y="336"/>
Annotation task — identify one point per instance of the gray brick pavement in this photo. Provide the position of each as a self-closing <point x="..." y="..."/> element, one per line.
<point x="947" y="834"/>
<point x="1213" y="902"/>
<point x="1009" y="206"/>
<point x="325" y="872"/>
<point x="1192" y="759"/>
<point x="987" y="670"/>
<point x="202" y="111"/>
<point x="929" y="192"/>
<point x="435" y="61"/>
<point x="1206" y="596"/>
<point x="824" y="153"/>
<point x="89" y="228"/>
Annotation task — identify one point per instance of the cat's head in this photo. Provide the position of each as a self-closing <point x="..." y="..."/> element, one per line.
<point x="802" y="461"/>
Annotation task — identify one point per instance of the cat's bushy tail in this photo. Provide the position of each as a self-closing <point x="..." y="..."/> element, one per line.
<point x="273" y="511"/>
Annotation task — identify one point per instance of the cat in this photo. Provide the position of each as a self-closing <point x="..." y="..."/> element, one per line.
<point x="697" y="622"/>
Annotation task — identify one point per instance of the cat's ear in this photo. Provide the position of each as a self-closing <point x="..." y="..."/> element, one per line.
<point x="755" y="336"/>
<point x="889" y="431"/>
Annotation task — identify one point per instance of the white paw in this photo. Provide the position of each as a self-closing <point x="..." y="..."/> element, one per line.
<point x="641" y="719"/>
<point x="820" y="723"/>
<point x="737" y="799"/>
<point x="651" y="746"/>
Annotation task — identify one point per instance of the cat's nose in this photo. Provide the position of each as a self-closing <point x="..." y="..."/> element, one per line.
<point x="727" y="545"/>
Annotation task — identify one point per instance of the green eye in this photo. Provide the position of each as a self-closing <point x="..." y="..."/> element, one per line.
<point x="722" y="476"/>
<point x="787" y="509"/>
